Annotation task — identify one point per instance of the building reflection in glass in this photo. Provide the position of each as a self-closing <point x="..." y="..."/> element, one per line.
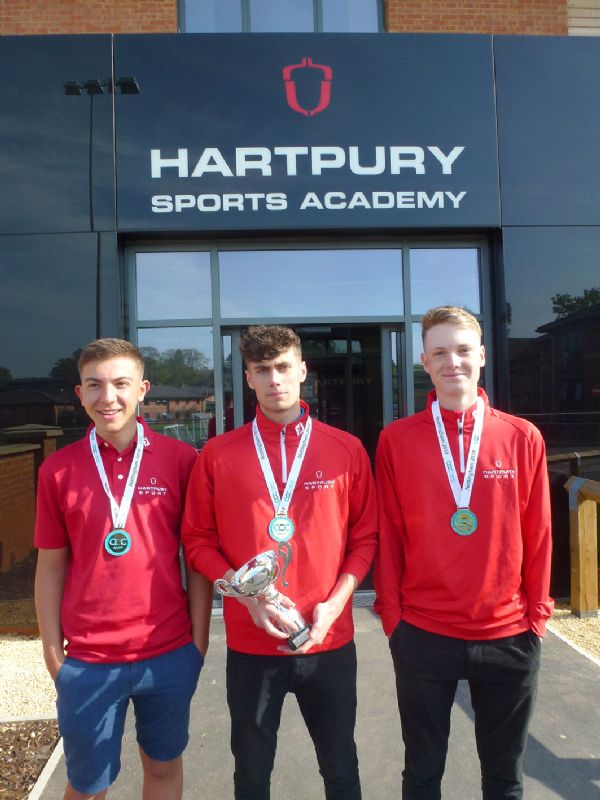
<point x="178" y="364"/>
<point x="555" y="378"/>
<point x="553" y="320"/>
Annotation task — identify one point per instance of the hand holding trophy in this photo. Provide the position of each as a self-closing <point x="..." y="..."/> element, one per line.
<point x="256" y="578"/>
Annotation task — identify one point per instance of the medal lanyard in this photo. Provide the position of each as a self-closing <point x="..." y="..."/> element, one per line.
<point x="462" y="494"/>
<point x="281" y="504"/>
<point x="119" y="513"/>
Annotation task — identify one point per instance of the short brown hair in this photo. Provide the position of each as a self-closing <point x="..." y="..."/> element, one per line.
<point x="103" y="349"/>
<point x="263" y="342"/>
<point x="449" y="315"/>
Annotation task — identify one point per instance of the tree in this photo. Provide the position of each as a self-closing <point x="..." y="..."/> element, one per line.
<point x="177" y="367"/>
<point x="563" y="304"/>
<point x="5" y="374"/>
<point x="67" y="367"/>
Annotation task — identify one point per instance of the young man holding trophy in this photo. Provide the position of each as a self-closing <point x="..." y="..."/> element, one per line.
<point x="290" y="500"/>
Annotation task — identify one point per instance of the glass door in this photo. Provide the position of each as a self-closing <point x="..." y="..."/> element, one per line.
<point x="344" y="381"/>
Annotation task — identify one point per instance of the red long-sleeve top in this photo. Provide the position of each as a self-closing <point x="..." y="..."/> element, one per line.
<point x="490" y="584"/>
<point x="333" y="509"/>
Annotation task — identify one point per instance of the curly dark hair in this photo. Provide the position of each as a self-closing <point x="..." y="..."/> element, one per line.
<point x="264" y="342"/>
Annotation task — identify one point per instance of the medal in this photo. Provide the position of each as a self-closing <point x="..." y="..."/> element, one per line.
<point x="281" y="529"/>
<point x="463" y="522"/>
<point x="117" y="542"/>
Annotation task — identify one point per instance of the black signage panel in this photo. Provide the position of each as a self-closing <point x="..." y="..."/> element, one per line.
<point x="548" y="121"/>
<point x="263" y="132"/>
<point x="56" y="134"/>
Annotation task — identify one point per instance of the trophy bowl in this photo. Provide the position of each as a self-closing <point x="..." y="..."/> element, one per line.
<point x="253" y="578"/>
<point x="256" y="578"/>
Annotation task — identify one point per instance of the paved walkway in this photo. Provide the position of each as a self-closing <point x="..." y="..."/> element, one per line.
<point x="562" y="762"/>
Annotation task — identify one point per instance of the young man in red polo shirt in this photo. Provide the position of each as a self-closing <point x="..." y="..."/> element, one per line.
<point x="463" y="570"/>
<point x="290" y="483"/>
<point x="115" y="621"/>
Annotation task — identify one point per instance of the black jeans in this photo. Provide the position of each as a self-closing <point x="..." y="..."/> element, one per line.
<point x="502" y="676"/>
<point x="325" y="688"/>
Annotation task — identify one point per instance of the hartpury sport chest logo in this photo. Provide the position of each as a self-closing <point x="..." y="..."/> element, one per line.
<point x="291" y="90"/>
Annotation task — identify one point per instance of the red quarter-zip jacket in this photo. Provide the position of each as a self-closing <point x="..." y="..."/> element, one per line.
<point x="490" y="584"/>
<point x="333" y="509"/>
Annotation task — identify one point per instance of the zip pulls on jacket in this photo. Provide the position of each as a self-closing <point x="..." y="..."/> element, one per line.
<point x="284" y="469"/>
<point x="284" y="473"/>
<point x="461" y="442"/>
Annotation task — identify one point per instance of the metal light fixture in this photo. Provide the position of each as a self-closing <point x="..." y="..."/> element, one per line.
<point x="127" y="85"/>
<point x="73" y="88"/>
<point x="95" y="86"/>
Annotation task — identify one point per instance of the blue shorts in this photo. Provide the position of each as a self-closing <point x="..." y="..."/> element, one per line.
<point x="92" y="702"/>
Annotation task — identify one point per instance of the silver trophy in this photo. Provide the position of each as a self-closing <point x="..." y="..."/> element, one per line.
<point x="256" y="578"/>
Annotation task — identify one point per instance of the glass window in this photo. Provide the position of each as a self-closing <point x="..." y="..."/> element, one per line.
<point x="444" y="276"/>
<point x="281" y="16"/>
<point x="397" y="368"/>
<point x="553" y="321"/>
<point x="311" y="283"/>
<point x="179" y="366"/>
<point x="48" y="312"/>
<point x="212" y="16"/>
<point x="173" y="285"/>
<point x="228" y="421"/>
<point x="350" y="16"/>
<point x="422" y="380"/>
<point x="48" y="306"/>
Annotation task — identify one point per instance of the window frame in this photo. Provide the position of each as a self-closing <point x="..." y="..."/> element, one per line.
<point x="403" y="322"/>
<point x="246" y="19"/>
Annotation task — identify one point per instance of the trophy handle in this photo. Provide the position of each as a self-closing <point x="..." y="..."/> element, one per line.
<point x="284" y="551"/>
<point x="223" y="587"/>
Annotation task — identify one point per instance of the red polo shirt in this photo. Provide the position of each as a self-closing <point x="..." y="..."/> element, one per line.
<point x="133" y="606"/>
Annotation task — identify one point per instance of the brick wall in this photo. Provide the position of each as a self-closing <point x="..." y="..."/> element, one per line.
<point x="17" y="502"/>
<point x="539" y="17"/>
<point x="21" y="17"/>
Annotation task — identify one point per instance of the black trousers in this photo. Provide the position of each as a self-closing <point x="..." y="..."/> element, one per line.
<point x="502" y="676"/>
<point x="325" y="688"/>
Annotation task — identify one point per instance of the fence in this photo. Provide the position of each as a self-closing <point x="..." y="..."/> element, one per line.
<point x="583" y="530"/>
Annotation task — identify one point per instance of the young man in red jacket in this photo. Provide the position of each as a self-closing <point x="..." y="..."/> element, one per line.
<point x="462" y="575"/>
<point x="290" y="483"/>
<point x="108" y="582"/>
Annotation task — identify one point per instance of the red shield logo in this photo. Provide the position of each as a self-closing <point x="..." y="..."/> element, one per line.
<point x="290" y="86"/>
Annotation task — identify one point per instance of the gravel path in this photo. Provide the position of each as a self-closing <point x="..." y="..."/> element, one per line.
<point x="585" y="632"/>
<point x="26" y="689"/>
<point x="27" y="692"/>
